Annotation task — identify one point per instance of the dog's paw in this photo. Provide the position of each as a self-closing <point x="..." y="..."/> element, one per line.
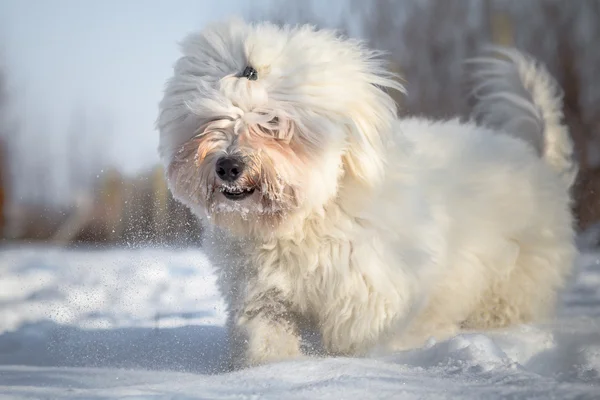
<point x="266" y="342"/>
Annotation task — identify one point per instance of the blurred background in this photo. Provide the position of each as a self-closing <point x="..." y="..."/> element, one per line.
<point x="80" y="82"/>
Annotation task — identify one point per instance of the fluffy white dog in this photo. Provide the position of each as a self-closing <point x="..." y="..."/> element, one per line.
<point x="326" y="210"/>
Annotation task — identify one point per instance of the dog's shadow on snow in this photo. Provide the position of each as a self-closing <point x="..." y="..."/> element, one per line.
<point x="196" y="349"/>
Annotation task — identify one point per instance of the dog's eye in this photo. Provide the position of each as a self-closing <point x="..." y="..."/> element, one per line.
<point x="250" y="73"/>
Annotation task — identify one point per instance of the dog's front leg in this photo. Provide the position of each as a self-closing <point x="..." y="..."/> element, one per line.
<point x="264" y="330"/>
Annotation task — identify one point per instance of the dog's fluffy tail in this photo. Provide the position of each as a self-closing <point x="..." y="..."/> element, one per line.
<point x="517" y="95"/>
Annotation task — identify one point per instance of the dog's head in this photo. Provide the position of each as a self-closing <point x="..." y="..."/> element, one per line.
<point x="261" y="123"/>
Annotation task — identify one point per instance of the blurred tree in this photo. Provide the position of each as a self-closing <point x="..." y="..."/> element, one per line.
<point x="8" y="131"/>
<point x="3" y="161"/>
<point x="429" y="40"/>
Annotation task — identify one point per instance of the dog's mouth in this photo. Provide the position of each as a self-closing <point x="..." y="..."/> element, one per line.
<point x="236" y="194"/>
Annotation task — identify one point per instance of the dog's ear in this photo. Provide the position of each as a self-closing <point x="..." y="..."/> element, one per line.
<point x="363" y="158"/>
<point x="368" y="136"/>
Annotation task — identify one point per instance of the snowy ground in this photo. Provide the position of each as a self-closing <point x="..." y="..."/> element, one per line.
<point x="146" y="323"/>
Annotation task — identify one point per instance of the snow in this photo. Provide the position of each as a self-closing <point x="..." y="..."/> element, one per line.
<point x="148" y="323"/>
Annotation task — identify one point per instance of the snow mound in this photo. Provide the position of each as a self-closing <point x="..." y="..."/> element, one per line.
<point x="149" y="323"/>
<point x="466" y="352"/>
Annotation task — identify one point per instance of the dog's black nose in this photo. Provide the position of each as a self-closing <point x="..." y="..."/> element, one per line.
<point x="250" y="73"/>
<point x="229" y="168"/>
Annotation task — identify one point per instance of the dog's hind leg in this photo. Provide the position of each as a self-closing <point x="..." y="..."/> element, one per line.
<point x="529" y="293"/>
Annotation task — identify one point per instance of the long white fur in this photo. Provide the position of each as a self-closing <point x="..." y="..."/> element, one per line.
<point x="403" y="229"/>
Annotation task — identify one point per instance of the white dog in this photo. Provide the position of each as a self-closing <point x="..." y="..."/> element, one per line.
<point x="326" y="210"/>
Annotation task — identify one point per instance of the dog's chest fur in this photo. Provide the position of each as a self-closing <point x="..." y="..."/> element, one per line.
<point x="312" y="266"/>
